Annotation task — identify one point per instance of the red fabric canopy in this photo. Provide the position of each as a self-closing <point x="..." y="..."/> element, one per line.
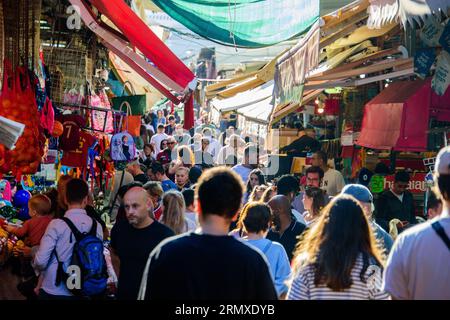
<point x="398" y="117"/>
<point x="140" y="36"/>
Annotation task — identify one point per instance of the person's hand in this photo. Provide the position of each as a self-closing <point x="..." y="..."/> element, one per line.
<point x="23" y="251"/>
<point x="9" y="228"/>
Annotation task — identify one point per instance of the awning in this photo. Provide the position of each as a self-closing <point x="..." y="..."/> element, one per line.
<point x="382" y="12"/>
<point x="116" y="43"/>
<point x="231" y="87"/>
<point x="125" y="73"/>
<point x="140" y="36"/>
<point x="259" y="112"/>
<point x="244" y="99"/>
<point x="398" y="117"/>
<point x="244" y="23"/>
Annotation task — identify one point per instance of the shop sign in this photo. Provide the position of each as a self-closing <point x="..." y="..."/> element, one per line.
<point x="423" y="60"/>
<point x="444" y="40"/>
<point x="431" y="32"/>
<point x="417" y="184"/>
<point x="441" y="78"/>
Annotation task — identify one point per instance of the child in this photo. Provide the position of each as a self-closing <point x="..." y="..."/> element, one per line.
<point x="40" y="209"/>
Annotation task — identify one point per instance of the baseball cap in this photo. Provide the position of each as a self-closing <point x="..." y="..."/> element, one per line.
<point x="364" y="176"/>
<point x="359" y="192"/>
<point x="442" y="165"/>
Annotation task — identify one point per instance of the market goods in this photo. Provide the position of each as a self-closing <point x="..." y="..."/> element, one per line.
<point x="19" y="104"/>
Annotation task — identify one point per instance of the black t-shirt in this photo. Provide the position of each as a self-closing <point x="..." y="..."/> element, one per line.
<point x="289" y="238"/>
<point x="133" y="246"/>
<point x="206" y="267"/>
<point x="141" y="178"/>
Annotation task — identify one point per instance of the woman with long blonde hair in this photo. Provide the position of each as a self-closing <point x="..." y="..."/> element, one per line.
<point x="338" y="257"/>
<point x="173" y="213"/>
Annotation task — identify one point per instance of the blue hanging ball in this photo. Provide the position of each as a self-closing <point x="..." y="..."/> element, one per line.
<point x="21" y="199"/>
<point x="23" y="214"/>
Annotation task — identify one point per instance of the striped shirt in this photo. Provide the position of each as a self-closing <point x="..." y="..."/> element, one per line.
<point x="303" y="287"/>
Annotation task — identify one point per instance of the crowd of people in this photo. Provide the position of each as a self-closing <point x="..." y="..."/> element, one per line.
<point x="195" y="217"/>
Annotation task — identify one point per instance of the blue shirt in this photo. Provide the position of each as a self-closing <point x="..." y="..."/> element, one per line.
<point x="168" y="185"/>
<point x="278" y="262"/>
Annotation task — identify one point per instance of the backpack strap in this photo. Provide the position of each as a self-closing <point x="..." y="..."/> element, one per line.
<point x="93" y="231"/>
<point x="441" y="233"/>
<point x="78" y="235"/>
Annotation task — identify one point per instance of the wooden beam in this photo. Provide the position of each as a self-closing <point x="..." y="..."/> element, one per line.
<point x="376" y="67"/>
<point x="351" y="65"/>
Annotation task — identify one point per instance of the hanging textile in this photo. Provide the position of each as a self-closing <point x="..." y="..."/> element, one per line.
<point x="387" y="11"/>
<point x="244" y="23"/>
<point x="292" y="67"/>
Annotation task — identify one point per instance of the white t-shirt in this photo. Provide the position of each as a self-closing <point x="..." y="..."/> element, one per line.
<point x="333" y="182"/>
<point x="418" y="267"/>
<point x="190" y="225"/>
<point x="213" y="148"/>
<point x="191" y="216"/>
<point x="244" y="172"/>
<point x="156" y="141"/>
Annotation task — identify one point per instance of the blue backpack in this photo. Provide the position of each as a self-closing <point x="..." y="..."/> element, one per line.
<point x="88" y="256"/>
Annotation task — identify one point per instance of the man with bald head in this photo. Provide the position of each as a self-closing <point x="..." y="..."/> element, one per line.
<point x="133" y="239"/>
<point x="285" y="230"/>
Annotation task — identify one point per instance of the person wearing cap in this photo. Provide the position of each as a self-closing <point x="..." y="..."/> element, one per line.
<point x="418" y="266"/>
<point x="396" y="203"/>
<point x="365" y="199"/>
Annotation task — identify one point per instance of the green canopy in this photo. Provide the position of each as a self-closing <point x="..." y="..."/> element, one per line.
<point x="244" y="23"/>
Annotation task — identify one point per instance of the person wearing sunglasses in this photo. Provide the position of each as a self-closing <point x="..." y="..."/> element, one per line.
<point x="165" y="156"/>
<point x="396" y="203"/>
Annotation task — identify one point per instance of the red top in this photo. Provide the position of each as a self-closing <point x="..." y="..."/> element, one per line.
<point x="79" y="157"/>
<point x="33" y="229"/>
<point x="158" y="212"/>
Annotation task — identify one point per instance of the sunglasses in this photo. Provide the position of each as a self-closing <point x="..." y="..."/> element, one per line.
<point x="170" y="142"/>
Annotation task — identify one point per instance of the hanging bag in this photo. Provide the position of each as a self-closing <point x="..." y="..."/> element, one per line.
<point x="123" y="147"/>
<point x="131" y="123"/>
<point x="138" y="103"/>
<point x="101" y="120"/>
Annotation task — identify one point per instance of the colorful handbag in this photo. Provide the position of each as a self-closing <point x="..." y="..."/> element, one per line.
<point x="131" y="123"/>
